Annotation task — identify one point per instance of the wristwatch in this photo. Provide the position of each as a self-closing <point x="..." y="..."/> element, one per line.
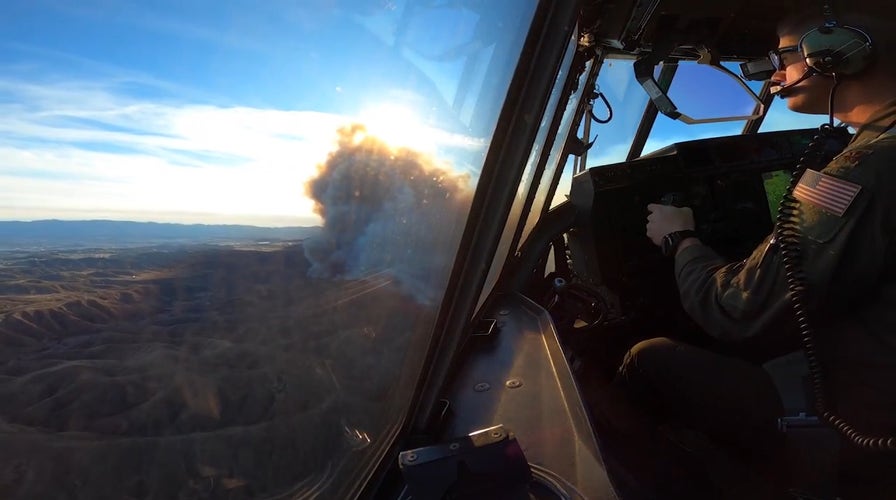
<point x="672" y="240"/>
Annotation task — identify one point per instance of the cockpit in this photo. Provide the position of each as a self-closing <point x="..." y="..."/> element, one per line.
<point x="395" y="249"/>
<point x="672" y="105"/>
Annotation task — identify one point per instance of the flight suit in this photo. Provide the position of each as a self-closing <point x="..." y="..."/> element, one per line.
<point x="847" y="217"/>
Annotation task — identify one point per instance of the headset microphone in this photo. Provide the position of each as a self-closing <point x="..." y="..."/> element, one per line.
<point x="809" y="73"/>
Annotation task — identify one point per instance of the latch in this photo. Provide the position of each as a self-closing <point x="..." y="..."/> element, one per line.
<point x="486" y="464"/>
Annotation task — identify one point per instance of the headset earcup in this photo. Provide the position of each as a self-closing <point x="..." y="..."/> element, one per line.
<point x="836" y="49"/>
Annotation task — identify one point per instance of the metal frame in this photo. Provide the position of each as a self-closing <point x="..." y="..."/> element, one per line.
<point x="527" y="97"/>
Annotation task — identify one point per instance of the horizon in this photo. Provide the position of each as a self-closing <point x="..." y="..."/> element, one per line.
<point x="159" y="223"/>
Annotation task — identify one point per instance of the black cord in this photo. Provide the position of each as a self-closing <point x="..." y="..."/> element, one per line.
<point x="831" y="99"/>
<point x="603" y="98"/>
<point x="789" y="239"/>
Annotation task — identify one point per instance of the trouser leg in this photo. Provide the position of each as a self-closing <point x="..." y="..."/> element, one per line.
<point x="733" y="402"/>
<point x="732" y="405"/>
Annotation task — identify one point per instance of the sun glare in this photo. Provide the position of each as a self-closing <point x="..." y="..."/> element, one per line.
<point x="399" y="126"/>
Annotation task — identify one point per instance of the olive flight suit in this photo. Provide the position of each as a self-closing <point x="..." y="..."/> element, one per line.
<point x="847" y="218"/>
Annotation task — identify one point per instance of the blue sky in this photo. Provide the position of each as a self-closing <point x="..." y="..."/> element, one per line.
<point x="722" y="97"/>
<point x="219" y="112"/>
<point x="261" y="54"/>
<point x="204" y="112"/>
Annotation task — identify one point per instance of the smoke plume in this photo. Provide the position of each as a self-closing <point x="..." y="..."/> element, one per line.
<point x="386" y="210"/>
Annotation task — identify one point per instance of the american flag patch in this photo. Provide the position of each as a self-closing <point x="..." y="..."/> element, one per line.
<point x="826" y="191"/>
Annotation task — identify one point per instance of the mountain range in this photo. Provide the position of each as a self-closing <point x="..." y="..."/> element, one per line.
<point x="43" y="234"/>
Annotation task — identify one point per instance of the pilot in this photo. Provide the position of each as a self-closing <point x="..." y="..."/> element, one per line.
<point x="829" y="61"/>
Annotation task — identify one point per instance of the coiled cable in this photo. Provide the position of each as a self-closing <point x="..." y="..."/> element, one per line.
<point x="788" y="236"/>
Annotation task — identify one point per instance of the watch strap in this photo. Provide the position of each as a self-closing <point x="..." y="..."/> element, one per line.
<point x="673" y="239"/>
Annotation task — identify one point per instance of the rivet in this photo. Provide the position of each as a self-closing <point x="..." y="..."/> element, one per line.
<point x="482" y="387"/>
<point x="514" y="383"/>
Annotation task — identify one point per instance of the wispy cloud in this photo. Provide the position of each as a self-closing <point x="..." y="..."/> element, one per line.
<point x="87" y="147"/>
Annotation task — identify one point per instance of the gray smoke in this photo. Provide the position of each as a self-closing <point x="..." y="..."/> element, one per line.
<point x="386" y="210"/>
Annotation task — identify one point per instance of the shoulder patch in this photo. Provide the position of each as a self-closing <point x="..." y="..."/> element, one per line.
<point x="832" y="194"/>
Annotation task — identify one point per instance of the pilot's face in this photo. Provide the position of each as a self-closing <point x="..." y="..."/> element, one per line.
<point x="809" y="96"/>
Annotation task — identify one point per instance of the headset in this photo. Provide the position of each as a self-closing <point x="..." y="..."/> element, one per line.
<point x="831" y="49"/>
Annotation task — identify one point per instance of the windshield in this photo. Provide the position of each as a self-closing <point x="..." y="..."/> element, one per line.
<point x="613" y="141"/>
<point x="225" y="231"/>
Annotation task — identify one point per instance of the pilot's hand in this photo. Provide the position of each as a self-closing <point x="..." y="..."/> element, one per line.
<point x="664" y="219"/>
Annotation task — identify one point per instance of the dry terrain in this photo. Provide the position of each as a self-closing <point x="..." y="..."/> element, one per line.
<point x="192" y="372"/>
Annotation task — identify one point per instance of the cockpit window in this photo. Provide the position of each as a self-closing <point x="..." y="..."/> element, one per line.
<point x="702" y="91"/>
<point x="781" y="118"/>
<point x="225" y="232"/>
<point x="628" y="99"/>
<point x="709" y="97"/>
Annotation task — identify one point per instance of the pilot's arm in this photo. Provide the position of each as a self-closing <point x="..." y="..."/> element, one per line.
<point x="730" y="301"/>
<point x="843" y="259"/>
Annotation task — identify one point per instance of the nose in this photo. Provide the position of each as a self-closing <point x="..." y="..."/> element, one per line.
<point x="779" y="76"/>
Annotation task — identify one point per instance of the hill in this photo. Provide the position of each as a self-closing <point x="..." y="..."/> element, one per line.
<point x="44" y="234"/>
<point x="195" y="371"/>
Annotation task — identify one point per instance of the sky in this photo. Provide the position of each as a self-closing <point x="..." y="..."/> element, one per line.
<point x="206" y="111"/>
<point x="716" y="96"/>
<point x="221" y="112"/>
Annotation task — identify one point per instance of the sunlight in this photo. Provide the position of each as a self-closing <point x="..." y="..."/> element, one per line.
<point x="399" y="126"/>
<point x="126" y="156"/>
